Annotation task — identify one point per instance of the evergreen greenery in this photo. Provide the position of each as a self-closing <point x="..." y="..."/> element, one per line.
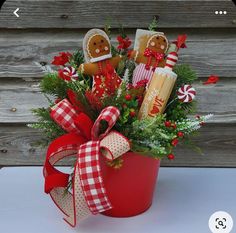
<point x="150" y="136"/>
<point x="54" y="86"/>
<point x="153" y="26"/>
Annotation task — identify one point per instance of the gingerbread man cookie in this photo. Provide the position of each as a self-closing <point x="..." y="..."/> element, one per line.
<point x="99" y="63"/>
<point x="149" y="53"/>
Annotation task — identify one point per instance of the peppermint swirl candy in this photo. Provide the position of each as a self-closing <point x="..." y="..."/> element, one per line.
<point x="186" y="93"/>
<point x="70" y="72"/>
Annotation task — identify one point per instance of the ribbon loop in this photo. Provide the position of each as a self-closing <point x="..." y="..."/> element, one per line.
<point x="110" y="115"/>
<point x="114" y="145"/>
<point x="65" y="115"/>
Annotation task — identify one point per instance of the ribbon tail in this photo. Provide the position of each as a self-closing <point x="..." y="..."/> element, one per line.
<point x="91" y="177"/>
<point x="78" y="208"/>
<point x="56" y="181"/>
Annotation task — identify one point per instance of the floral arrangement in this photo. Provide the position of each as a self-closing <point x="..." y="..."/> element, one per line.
<point x="95" y="99"/>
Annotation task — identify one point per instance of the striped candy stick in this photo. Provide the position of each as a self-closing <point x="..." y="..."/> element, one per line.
<point x="172" y="57"/>
<point x="171" y="60"/>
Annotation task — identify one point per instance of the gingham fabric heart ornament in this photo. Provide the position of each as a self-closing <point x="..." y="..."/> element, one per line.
<point x="186" y="93"/>
<point x="88" y="194"/>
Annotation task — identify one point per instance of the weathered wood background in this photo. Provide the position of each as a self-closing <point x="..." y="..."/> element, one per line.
<point x="46" y="27"/>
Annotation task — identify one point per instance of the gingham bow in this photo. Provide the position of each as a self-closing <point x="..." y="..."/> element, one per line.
<point x="84" y="140"/>
<point x="152" y="54"/>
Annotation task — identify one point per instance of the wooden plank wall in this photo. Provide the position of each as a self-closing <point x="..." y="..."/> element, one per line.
<point x="46" y="27"/>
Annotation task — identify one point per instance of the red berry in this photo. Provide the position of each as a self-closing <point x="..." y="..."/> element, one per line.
<point x="173" y="125"/>
<point x="174" y="142"/>
<point x="170" y="156"/>
<point x="57" y="100"/>
<point x="167" y="123"/>
<point x="130" y="86"/>
<point x="180" y="134"/>
<point x="124" y="105"/>
<point x="132" y="113"/>
<point x="128" y="97"/>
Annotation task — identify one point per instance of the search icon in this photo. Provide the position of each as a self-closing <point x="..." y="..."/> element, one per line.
<point x="220" y="223"/>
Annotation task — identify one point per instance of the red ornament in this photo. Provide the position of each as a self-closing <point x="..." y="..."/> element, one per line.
<point x="124" y="43"/>
<point x="174" y="142"/>
<point x="213" y="79"/>
<point x="132" y="113"/>
<point x="128" y="97"/>
<point x="170" y="156"/>
<point x="167" y="124"/>
<point x="180" y="134"/>
<point x="62" y="59"/>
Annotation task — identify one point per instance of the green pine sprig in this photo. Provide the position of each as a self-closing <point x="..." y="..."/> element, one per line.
<point x="54" y="86"/>
<point x="153" y="26"/>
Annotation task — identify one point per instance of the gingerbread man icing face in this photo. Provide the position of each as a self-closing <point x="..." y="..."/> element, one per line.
<point x="158" y="43"/>
<point x="98" y="46"/>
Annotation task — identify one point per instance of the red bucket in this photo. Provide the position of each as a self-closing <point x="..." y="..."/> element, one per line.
<point x="130" y="188"/>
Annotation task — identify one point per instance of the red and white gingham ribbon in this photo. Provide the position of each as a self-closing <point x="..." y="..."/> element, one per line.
<point x="65" y="115"/>
<point x="88" y="160"/>
<point x="88" y="192"/>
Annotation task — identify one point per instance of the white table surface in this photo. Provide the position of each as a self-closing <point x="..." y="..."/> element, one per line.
<point x="184" y="200"/>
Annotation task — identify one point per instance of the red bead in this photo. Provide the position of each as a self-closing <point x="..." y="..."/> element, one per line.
<point x="174" y="142"/>
<point x="180" y="134"/>
<point x="167" y="123"/>
<point x="128" y="97"/>
<point x="170" y="156"/>
<point x="132" y="113"/>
